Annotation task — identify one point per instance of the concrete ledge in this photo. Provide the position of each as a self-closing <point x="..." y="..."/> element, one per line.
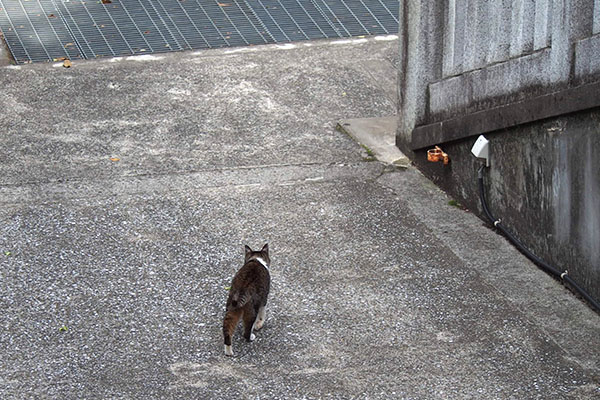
<point x="551" y="105"/>
<point x="378" y="135"/>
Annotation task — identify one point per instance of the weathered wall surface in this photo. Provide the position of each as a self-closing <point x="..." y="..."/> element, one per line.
<point x="464" y="63"/>
<point x="544" y="184"/>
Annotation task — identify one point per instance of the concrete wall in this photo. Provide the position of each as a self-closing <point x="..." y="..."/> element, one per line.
<point x="5" y="58"/>
<point x="526" y="74"/>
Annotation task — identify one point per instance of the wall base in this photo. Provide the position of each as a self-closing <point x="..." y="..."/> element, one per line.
<point x="544" y="183"/>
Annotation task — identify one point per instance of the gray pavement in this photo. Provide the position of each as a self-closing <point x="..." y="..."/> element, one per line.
<point x="129" y="187"/>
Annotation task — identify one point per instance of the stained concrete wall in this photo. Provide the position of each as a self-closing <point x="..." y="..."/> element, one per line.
<point x="4" y="53"/>
<point x="466" y="60"/>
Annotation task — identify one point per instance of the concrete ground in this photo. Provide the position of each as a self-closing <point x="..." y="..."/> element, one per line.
<point x="128" y="188"/>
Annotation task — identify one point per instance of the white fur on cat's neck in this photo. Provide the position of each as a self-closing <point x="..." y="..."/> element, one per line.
<point x="263" y="262"/>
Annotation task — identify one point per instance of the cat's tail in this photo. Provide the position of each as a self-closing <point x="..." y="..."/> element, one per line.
<point x="240" y="298"/>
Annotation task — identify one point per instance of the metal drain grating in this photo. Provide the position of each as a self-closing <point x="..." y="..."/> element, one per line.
<point x="46" y="30"/>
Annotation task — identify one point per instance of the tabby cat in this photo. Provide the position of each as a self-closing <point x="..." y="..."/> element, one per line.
<point x="248" y="296"/>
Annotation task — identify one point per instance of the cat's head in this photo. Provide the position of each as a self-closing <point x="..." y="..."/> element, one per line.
<point x="253" y="255"/>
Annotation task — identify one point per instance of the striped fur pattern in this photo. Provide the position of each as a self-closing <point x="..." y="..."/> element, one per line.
<point x="248" y="296"/>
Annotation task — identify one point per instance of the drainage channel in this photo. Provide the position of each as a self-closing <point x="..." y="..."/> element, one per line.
<point x="52" y="30"/>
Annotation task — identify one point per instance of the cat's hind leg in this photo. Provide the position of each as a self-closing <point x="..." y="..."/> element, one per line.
<point x="232" y="317"/>
<point x="260" y="320"/>
<point x="249" y="321"/>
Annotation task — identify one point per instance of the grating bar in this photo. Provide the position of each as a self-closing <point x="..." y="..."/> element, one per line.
<point x="185" y="22"/>
<point x="45" y="30"/>
<point x="331" y="16"/>
<point x="169" y="25"/>
<point x="277" y="32"/>
<point x="13" y="40"/>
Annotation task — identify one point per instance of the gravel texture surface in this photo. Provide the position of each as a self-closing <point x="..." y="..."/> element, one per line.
<point x="128" y="188"/>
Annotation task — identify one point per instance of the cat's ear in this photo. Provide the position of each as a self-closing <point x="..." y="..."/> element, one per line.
<point x="265" y="249"/>
<point x="247" y="250"/>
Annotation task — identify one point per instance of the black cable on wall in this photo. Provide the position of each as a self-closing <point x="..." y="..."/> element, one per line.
<point x="563" y="275"/>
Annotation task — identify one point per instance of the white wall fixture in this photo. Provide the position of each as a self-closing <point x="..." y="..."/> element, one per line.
<point x="481" y="149"/>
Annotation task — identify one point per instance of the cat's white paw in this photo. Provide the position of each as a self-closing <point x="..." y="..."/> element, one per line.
<point x="252" y="337"/>
<point x="259" y="324"/>
<point x="228" y="351"/>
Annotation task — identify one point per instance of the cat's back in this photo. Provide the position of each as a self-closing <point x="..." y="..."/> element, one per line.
<point x="253" y="273"/>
